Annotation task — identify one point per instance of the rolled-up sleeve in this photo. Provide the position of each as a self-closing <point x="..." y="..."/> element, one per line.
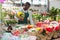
<point x="30" y="18"/>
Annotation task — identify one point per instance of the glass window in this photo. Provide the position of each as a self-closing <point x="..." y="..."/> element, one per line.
<point x="24" y="1"/>
<point x="36" y="2"/>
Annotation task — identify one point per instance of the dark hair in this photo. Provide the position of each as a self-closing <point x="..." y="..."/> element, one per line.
<point x="22" y="4"/>
<point x="27" y="3"/>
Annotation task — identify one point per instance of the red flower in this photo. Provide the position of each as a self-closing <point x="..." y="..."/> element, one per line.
<point x="29" y="26"/>
<point x="16" y="33"/>
<point x="57" y="28"/>
<point x="39" y="24"/>
<point x="50" y="29"/>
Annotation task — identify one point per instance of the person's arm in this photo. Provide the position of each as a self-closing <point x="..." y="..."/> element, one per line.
<point x="16" y="17"/>
<point x="31" y="19"/>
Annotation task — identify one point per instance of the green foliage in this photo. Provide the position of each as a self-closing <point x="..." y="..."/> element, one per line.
<point x="11" y="16"/>
<point x="10" y="22"/>
<point x="54" y="12"/>
<point x="2" y="15"/>
<point x="17" y="26"/>
<point x="59" y="12"/>
<point x="44" y="32"/>
<point x="37" y="16"/>
<point x="59" y="17"/>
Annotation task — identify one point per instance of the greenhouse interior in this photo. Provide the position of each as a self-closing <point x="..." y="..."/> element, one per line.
<point x="29" y="20"/>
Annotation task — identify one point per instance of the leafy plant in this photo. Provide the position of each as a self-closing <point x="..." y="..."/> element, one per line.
<point x="37" y="16"/>
<point x="10" y="22"/>
<point x="17" y="26"/>
<point x="53" y="12"/>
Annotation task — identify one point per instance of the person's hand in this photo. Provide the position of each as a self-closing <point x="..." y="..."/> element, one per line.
<point x="21" y="18"/>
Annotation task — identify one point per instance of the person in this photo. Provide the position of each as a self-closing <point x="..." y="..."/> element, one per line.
<point x="22" y="4"/>
<point x="27" y="14"/>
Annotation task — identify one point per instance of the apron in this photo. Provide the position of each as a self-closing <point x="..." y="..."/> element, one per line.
<point x="25" y="19"/>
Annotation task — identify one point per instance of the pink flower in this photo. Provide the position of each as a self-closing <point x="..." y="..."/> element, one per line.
<point x="2" y="1"/>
